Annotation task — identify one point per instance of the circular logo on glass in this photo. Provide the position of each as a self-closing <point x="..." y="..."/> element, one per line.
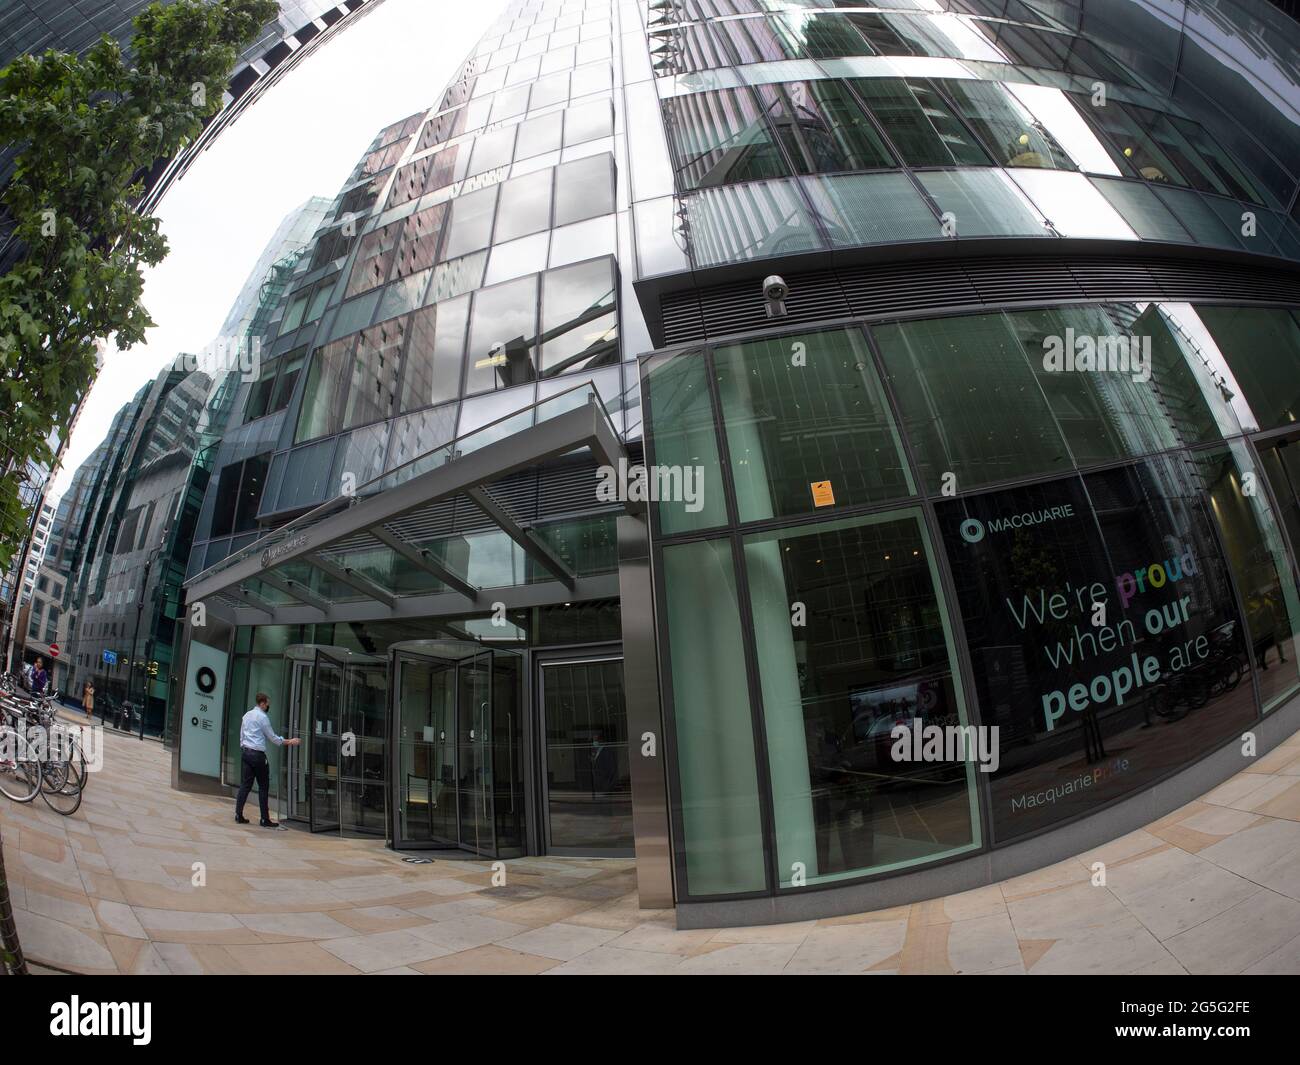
<point x="972" y="530"/>
<point x="206" y="680"/>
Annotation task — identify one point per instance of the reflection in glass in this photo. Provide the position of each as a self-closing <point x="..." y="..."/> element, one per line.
<point x="579" y="317"/>
<point x="588" y="778"/>
<point x="919" y="122"/>
<point x="502" y="336"/>
<point x="1262" y="346"/>
<point x="718" y="138"/>
<point x="684" y="437"/>
<point x="717" y="778"/>
<point x="822" y="127"/>
<point x="945" y="407"/>
<point x="873" y="652"/>
<point x="433" y="358"/>
<point x="584" y="188"/>
<point x="818" y="417"/>
<point x="1252" y="540"/>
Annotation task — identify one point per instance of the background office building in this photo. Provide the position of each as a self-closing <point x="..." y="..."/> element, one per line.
<point x="122" y="533"/>
<point x="1004" y="441"/>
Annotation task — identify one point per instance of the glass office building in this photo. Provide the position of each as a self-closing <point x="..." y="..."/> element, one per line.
<point x="703" y="389"/>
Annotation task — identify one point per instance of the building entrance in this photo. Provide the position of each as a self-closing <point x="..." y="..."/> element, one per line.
<point x="458" y="759"/>
<point x="337" y="705"/>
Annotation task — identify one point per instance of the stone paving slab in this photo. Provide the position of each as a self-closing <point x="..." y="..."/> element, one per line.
<point x="144" y="879"/>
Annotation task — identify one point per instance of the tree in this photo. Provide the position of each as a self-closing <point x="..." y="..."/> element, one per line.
<point x="88" y="129"/>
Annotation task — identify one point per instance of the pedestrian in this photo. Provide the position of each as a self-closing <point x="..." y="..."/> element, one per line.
<point x="254" y="730"/>
<point x="39" y="677"/>
<point x="88" y="699"/>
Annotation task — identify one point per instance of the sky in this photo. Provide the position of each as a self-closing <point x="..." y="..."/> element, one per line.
<point x="301" y="139"/>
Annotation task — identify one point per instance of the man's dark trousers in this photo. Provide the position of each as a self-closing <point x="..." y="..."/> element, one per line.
<point x="256" y="768"/>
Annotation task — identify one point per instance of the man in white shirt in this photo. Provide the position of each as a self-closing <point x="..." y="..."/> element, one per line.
<point x="254" y="730"/>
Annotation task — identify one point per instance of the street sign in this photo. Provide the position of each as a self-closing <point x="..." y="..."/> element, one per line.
<point x="110" y="658"/>
<point x="54" y="650"/>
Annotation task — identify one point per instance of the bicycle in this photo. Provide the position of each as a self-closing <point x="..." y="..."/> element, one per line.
<point x="37" y="755"/>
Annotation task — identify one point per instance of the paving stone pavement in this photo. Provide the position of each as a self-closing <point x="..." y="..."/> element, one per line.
<point x="1212" y="888"/>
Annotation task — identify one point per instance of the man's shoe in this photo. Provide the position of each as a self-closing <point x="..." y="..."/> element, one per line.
<point x="269" y="824"/>
<point x="241" y="820"/>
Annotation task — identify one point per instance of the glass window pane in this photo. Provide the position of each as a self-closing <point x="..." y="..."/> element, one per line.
<point x="579" y="317"/>
<point x="471" y="222"/>
<point x="1262" y="347"/>
<point x="807" y="425"/>
<point x="720" y="137"/>
<point x="1139" y="149"/>
<point x="983" y="203"/>
<point x="417" y="434"/>
<point x="373" y="373"/>
<point x="822" y="127"/>
<point x="920" y="124"/>
<point x="539" y="135"/>
<point x="586" y="122"/>
<point x="433" y="358"/>
<point x="1116" y="379"/>
<point x="945" y="408"/>
<point x="684" y="439"/>
<point x="502" y="336"/>
<point x="527" y="255"/>
<point x="1143" y="210"/>
<point x="1118" y="704"/>
<point x="1253" y="542"/>
<point x="492" y="150"/>
<point x="774" y="220"/>
<point x="290" y="367"/>
<point x="1008" y="129"/>
<point x="525" y="206"/>
<point x="584" y="188"/>
<point x="419" y="247"/>
<point x="874" y="652"/>
<point x="717" y="778"/>
<point x="374" y="257"/>
<point x="871" y="208"/>
<point x="322" y="400"/>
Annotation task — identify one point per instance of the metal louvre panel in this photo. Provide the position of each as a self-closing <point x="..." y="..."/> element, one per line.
<point x="888" y="289"/>
<point x="566" y="487"/>
<point x="1112" y="279"/>
<point x="681" y="316"/>
<point x="1000" y="281"/>
<point x="909" y="287"/>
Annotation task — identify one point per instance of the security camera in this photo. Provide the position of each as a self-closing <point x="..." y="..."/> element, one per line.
<point x="775" y="291"/>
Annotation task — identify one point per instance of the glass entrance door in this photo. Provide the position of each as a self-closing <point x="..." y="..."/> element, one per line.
<point x="362" y="789"/>
<point x="297" y="779"/>
<point x="458" y="762"/>
<point x="474" y="753"/>
<point x="325" y="724"/>
<point x="586" y="771"/>
<point x="425" y="690"/>
<point x="348" y="705"/>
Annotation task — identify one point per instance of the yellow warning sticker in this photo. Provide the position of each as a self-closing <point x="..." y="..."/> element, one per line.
<point x="823" y="494"/>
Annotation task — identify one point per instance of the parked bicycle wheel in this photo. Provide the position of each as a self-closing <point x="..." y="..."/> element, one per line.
<point x="20" y="776"/>
<point x="62" y="785"/>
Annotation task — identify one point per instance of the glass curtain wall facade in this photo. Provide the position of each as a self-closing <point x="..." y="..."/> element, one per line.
<point x="1042" y="491"/>
<point x="1068" y="519"/>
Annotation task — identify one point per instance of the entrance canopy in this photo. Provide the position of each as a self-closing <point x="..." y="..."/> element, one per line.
<point x="390" y="548"/>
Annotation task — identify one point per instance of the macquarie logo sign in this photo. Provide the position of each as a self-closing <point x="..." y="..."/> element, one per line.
<point x="973" y="530"/>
